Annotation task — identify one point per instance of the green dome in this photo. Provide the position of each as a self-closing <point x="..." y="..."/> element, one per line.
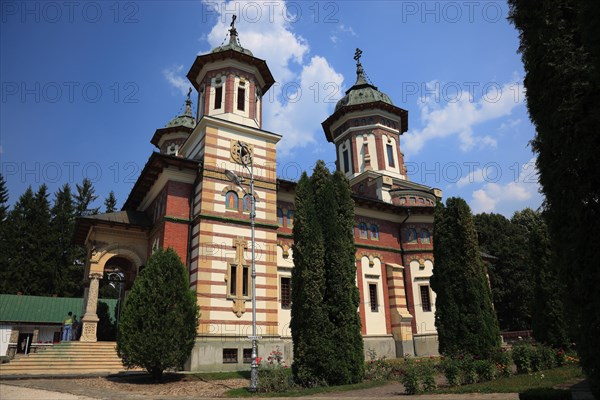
<point x="187" y="119"/>
<point x="183" y="120"/>
<point x="234" y="44"/>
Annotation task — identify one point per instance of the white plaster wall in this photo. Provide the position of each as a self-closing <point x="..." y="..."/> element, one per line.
<point x="4" y="338"/>
<point x="360" y="151"/>
<point x="425" y="320"/>
<point x="374" y="320"/>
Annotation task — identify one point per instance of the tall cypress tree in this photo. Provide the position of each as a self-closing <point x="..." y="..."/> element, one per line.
<point x="323" y="225"/>
<point x="464" y="317"/>
<point x="549" y="319"/>
<point x="309" y="320"/>
<point x="110" y="203"/>
<point x="559" y="43"/>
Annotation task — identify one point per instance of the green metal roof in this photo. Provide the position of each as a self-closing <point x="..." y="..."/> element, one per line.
<point x="39" y="309"/>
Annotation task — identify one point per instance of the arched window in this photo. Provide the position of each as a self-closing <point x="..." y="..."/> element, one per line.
<point x="290" y="218"/>
<point x="247" y="203"/>
<point x="425" y="236"/>
<point x="231" y="200"/>
<point x="279" y="216"/>
<point x="411" y="235"/>
<point x="362" y="230"/>
<point x="374" y="232"/>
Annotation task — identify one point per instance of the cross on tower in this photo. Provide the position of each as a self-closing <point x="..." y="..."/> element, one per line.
<point x="357" y="55"/>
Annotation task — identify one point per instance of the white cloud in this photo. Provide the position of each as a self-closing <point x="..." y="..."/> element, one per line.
<point x="319" y="86"/>
<point x="173" y="76"/>
<point x="475" y="176"/>
<point x="495" y="197"/>
<point x="306" y="88"/>
<point x="511" y="123"/>
<point x="264" y="29"/>
<point x="460" y="114"/>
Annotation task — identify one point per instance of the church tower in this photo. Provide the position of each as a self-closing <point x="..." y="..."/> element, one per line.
<point x="230" y="83"/>
<point x="366" y="129"/>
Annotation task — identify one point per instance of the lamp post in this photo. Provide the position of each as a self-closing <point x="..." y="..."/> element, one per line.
<point x="247" y="159"/>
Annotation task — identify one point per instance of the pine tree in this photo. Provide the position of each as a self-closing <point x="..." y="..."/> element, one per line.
<point x="159" y="320"/>
<point x="84" y="198"/>
<point x="67" y="275"/>
<point x="28" y="243"/>
<point x="464" y="318"/>
<point x="110" y="202"/>
<point x="4" y="248"/>
<point x="309" y="320"/>
<point x="3" y="200"/>
<point x="559" y="44"/>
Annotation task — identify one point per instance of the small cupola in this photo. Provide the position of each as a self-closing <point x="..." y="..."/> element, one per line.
<point x="366" y="128"/>
<point x="231" y="82"/>
<point x="175" y="133"/>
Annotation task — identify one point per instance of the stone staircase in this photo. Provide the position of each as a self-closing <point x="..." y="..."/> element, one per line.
<point x="68" y="358"/>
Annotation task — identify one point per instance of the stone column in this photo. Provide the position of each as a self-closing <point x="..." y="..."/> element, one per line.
<point x="90" y="319"/>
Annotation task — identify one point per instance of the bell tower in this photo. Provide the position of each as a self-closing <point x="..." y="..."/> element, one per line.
<point x="366" y="129"/>
<point x="230" y="83"/>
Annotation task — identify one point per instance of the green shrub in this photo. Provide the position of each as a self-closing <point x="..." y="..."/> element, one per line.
<point x="451" y="369"/>
<point x="426" y="372"/>
<point x="410" y="377"/>
<point x="522" y="356"/>
<point x="486" y="370"/>
<point x="275" y="379"/>
<point x="468" y="374"/>
<point x="377" y="368"/>
<point x="545" y="394"/>
<point x="503" y="361"/>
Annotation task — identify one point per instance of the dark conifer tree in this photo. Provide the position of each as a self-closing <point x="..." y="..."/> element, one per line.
<point x="549" y="318"/>
<point x="67" y="275"/>
<point x="464" y="318"/>
<point x="3" y="200"/>
<point x="84" y="199"/>
<point x="309" y="323"/>
<point x="510" y="277"/>
<point x="28" y="243"/>
<point x="559" y="43"/>
<point x="159" y="321"/>
<point x="110" y="203"/>
<point x="4" y="249"/>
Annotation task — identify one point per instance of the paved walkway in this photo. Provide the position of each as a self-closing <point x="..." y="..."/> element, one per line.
<point x="9" y="392"/>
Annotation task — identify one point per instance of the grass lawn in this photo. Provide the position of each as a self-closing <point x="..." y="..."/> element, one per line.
<point x="563" y="376"/>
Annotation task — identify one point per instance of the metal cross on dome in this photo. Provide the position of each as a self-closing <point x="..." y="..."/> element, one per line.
<point x="357" y="55"/>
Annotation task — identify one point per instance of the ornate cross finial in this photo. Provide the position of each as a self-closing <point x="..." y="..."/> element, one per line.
<point x="232" y="25"/>
<point x="357" y="55"/>
<point x="189" y="93"/>
<point x="188" y="103"/>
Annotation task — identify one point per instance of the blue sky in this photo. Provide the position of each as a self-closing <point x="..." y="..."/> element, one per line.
<point x="86" y="84"/>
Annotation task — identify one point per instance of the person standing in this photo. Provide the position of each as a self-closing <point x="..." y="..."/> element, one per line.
<point x="67" y="326"/>
<point x="74" y="328"/>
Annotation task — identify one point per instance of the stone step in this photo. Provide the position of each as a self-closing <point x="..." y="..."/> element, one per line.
<point x="74" y="358"/>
